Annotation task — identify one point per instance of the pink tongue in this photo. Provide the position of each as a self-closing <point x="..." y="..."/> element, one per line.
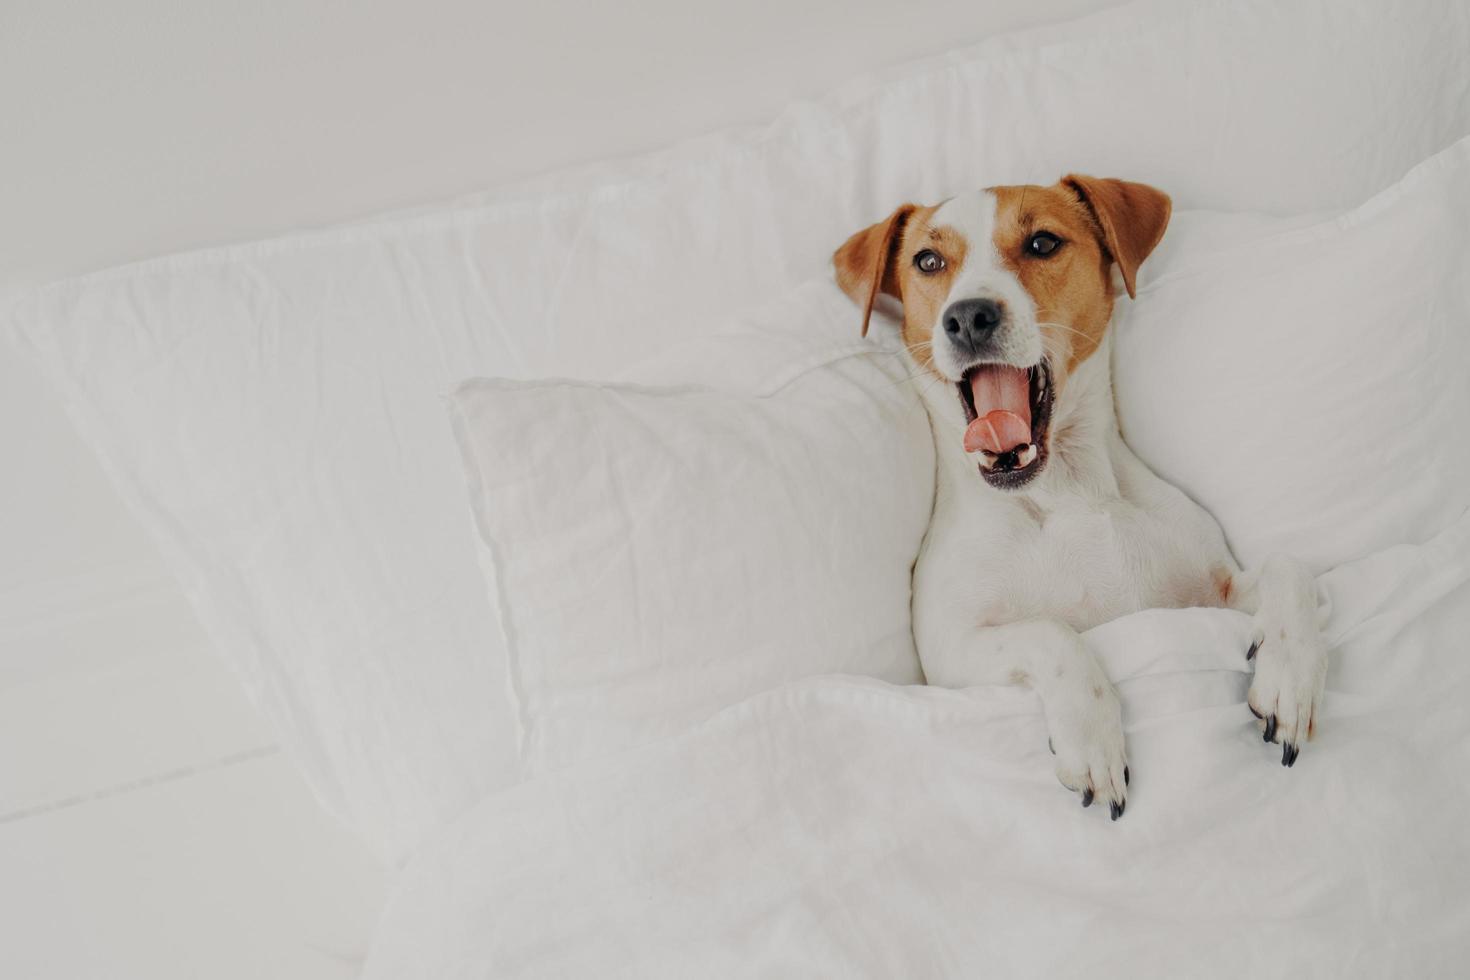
<point x="1003" y="406"/>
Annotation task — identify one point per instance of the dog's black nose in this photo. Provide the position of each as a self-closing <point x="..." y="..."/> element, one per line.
<point x="970" y="322"/>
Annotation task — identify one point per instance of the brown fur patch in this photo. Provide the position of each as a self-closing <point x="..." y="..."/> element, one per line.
<point x="923" y="294"/>
<point x="1132" y="218"/>
<point x="865" y="263"/>
<point x="1224" y="583"/>
<point x="1072" y="288"/>
<point x="1099" y="221"/>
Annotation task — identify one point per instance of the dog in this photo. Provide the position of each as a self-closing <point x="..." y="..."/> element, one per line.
<point x="1045" y="523"/>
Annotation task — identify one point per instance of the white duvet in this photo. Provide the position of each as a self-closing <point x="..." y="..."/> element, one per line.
<point x="841" y="827"/>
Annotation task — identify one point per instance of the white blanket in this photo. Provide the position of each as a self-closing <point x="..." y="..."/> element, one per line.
<point x="845" y="828"/>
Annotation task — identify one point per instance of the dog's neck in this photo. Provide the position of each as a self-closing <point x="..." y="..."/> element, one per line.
<point x="1084" y="435"/>
<point x="1084" y="438"/>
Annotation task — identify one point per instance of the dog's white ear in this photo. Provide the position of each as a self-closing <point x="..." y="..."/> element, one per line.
<point x="1132" y="218"/>
<point x="865" y="265"/>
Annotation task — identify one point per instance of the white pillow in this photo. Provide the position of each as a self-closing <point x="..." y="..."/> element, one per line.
<point x="271" y="410"/>
<point x="660" y="553"/>
<point x="1311" y="386"/>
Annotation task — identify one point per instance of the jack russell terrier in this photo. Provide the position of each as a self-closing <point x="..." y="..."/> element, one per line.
<point x="1006" y="297"/>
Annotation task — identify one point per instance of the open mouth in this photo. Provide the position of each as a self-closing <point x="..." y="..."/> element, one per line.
<point x="1008" y="410"/>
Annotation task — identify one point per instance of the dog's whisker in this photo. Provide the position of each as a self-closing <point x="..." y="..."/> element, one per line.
<point x="926" y="345"/>
<point x="935" y="379"/>
<point x="918" y="375"/>
<point x="1062" y="326"/>
<point x="912" y="378"/>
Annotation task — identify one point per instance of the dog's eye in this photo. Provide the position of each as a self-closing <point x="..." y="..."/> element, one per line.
<point x="928" y="261"/>
<point x="1043" y="243"/>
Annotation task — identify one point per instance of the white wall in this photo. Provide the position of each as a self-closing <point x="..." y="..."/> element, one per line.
<point x="137" y="128"/>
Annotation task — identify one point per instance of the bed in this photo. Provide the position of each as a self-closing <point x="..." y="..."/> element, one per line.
<point x="421" y="780"/>
<point x="840" y="827"/>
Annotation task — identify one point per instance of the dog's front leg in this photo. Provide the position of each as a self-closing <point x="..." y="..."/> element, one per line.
<point x="1289" y="652"/>
<point x="1084" y="718"/>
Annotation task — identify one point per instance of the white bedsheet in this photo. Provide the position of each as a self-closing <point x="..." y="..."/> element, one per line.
<point x="841" y="827"/>
<point x="150" y="829"/>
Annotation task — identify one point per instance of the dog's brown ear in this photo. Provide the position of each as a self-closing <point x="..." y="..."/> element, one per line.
<point x="1132" y="217"/>
<point x="865" y="265"/>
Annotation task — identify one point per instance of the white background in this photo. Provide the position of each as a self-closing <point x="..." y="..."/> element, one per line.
<point x="147" y="825"/>
<point x="135" y="129"/>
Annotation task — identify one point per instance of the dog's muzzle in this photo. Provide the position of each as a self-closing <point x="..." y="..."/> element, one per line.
<point x="1008" y="411"/>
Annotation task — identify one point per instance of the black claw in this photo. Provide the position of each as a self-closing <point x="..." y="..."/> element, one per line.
<point x="1051" y="746"/>
<point x="1127" y="778"/>
<point x="1116" y="810"/>
<point x="1087" y="796"/>
<point x="1289" y="752"/>
<point x="1253" y="710"/>
<point x="1270" y="733"/>
<point x="1251" y="653"/>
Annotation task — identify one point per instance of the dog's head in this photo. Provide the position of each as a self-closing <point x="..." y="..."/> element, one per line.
<point x="1005" y="292"/>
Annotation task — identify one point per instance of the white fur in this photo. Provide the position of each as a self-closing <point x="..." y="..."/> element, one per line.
<point x="1017" y="341"/>
<point x="1006" y="581"/>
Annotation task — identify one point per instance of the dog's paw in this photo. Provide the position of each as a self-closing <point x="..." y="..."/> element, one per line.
<point x="1086" y="736"/>
<point x="1286" y="693"/>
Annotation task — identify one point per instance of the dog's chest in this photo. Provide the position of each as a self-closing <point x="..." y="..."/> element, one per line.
<point x="1082" y="564"/>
